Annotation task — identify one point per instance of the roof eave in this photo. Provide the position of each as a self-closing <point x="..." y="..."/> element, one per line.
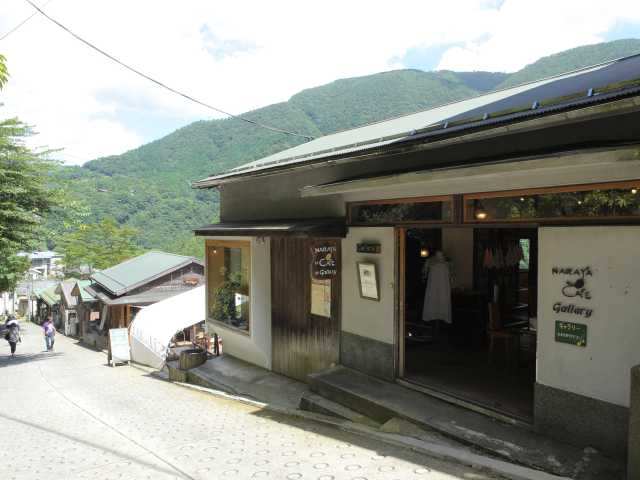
<point x="606" y="105"/>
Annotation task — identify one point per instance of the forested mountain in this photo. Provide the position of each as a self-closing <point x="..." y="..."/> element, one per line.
<point x="149" y="188"/>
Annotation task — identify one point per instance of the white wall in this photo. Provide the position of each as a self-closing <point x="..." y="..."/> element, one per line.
<point x="601" y="369"/>
<point x="369" y="318"/>
<point x="256" y="346"/>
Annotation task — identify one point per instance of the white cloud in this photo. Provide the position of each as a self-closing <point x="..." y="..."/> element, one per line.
<point x="242" y="55"/>
<point x="521" y="32"/>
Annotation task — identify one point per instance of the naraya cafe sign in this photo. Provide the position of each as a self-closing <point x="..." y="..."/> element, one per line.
<point x="325" y="261"/>
<point x="576" y="296"/>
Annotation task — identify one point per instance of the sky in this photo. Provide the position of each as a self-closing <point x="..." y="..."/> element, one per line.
<point x="240" y="55"/>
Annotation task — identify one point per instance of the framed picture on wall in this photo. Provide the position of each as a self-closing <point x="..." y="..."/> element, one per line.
<point x="368" y="280"/>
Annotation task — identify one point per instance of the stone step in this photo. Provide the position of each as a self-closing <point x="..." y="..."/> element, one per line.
<point x="382" y="401"/>
<point x="312" y="402"/>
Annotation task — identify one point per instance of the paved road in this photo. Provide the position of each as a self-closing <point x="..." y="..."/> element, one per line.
<point x="66" y="415"/>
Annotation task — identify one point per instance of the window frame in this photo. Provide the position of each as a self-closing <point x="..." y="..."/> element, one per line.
<point x="468" y="218"/>
<point x="212" y="243"/>
<point x="407" y="200"/>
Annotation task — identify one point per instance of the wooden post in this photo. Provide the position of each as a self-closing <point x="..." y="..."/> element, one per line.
<point x="402" y="238"/>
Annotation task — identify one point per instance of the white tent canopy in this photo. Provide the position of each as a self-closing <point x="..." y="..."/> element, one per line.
<point x="155" y="325"/>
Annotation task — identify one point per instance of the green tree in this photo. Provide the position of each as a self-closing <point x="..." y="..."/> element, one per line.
<point x="99" y="245"/>
<point x="4" y="73"/>
<point x="24" y="194"/>
<point x="12" y="270"/>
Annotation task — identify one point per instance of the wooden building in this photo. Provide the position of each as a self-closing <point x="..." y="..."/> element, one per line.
<point x="47" y="303"/>
<point x="68" y="308"/>
<point x="115" y="295"/>
<point x="88" y="312"/>
<point x="326" y="253"/>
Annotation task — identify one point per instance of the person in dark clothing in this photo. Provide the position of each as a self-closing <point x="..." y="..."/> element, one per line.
<point x="13" y="334"/>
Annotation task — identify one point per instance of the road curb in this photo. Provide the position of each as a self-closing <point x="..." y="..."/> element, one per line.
<point x="447" y="453"/>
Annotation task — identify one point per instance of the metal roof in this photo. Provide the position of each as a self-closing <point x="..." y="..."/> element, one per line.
<point x="329" y="227"/>
<point x="488" y="108"/>
<point x="80" y="291"/>
<point x="49" y="295"/>
<point x="137" y="271"/>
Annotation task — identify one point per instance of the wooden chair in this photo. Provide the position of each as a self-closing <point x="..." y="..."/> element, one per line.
<point x="496" y="333"/>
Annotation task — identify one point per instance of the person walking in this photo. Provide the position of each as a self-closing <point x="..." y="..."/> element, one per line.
<point x="49" y="333"/>
<point x="13" y="334"/>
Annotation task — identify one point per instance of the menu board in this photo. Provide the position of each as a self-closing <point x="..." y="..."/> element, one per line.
<point x="119" y="345"/>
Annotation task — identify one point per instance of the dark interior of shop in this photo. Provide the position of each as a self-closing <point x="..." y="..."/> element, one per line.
<point x="474" y="340"/>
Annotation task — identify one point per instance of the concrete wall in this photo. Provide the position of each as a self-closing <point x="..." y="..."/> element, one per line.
<point x="279" y="197"/>
<point x="601" y="369"/>
<point x="368" y="326"/>
<point x="360" y="316"/>
<point x="582" y="393"/>
<point x="254" y="347"/>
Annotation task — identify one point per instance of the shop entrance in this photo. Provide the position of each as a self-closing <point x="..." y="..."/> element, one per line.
<point x="468" y="309"/>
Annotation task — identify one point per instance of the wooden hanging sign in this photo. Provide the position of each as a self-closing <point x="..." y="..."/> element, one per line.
<point x="325" y="260"/>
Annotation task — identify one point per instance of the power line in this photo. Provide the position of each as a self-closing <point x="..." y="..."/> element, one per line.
<point x="163" y="85"/>
<point x="24" y="21"/>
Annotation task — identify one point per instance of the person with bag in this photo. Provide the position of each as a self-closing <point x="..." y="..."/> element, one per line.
<point x="49" y="333"/>
<point x="13" y="334"/>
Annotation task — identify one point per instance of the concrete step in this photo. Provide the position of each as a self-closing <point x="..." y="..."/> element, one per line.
<point x="382" y="401"/>
<point x="312" y="402"/>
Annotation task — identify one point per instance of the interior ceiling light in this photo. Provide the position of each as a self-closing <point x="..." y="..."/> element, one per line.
<point x="480" y="212"/>
<point x="424" y="252"/>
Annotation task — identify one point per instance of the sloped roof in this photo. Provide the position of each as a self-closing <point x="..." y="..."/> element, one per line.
<point x="137" y="271"/>
<point x="591" y="82"/>
<point x="49" y="295"/>
<point x="80" y="291"/>
<point x="64" y="289"/>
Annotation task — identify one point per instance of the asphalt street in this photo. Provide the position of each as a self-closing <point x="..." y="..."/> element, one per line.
<point x="67" y="415"/>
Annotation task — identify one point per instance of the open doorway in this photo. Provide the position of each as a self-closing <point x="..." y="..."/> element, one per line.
<point x="470" y="297"/>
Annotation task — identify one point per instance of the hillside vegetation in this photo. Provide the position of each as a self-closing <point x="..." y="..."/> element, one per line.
<point x="149" y="188"/>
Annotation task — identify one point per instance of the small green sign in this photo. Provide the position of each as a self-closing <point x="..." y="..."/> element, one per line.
<point x="571" y="333"/>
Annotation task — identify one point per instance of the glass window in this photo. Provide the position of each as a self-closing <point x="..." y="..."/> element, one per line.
<point x="400" y="211"/>
<point x="580" y="202"/>
<point x="228" y="283"/>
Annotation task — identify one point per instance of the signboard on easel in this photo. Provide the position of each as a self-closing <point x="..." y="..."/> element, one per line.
<point x="119" y="346"/>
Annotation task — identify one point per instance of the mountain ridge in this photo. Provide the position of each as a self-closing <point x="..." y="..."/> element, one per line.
<point x="148" y="188"/>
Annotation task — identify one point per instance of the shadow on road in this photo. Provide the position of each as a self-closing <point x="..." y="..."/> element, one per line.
<point x="22" y="358"/>
<point x="97" y="446"/>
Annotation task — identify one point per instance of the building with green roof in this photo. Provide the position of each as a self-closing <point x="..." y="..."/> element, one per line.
<point x="112" y="297"/>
